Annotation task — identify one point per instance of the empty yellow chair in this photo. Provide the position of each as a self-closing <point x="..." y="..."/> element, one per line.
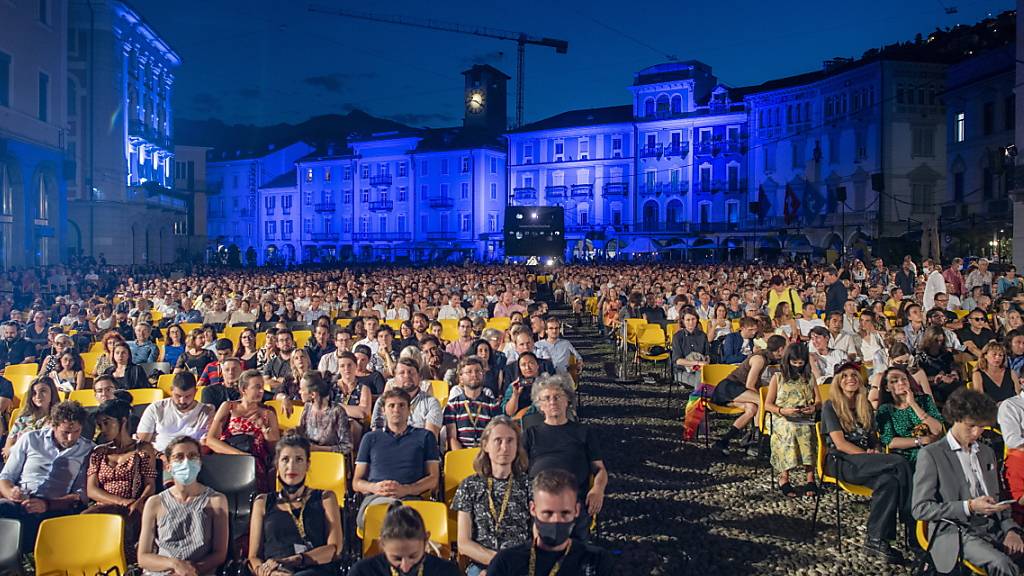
<point x="395" y="323"/>
<point x="190" y="326"/>
<point x="21" y="384"/>
<point x="285" y="422"/>
<point x="80" y="544"/>
<point x="89" y="360"/>
<point x="435" y="518"/>
<point x="327" y="472"/>
<point x="458" y="465"/>
<point x="96" y="347"/>
<point x="302" y="337"/>
<point x="165" y="382"/>
<point x="84" y="397"/>
<point x="146" y="395"/>
<point x="449" y="330"/>
<point x="16" y="369"/>
<point x="439" y="389"/>
<point x="503" y="323"/>
<point x="261" y="339"/>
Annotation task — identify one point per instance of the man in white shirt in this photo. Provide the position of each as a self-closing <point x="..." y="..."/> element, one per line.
<point x="934" y="283"/>
<point x="824" y="359"/>
<point x="452" y="310"/>
<point x="808" y="320"/>
<point x="371" y="324"/>
<point x="179" y="415"/>
<point x="243" y="314"/>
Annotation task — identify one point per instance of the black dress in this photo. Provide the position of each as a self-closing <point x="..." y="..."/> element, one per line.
<point x="281" y="536"/>
<point x="134" y="377"/>
<point x="998" y="392"/>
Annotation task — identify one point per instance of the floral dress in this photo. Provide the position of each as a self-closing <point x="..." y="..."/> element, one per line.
<point x="792" y="439"/>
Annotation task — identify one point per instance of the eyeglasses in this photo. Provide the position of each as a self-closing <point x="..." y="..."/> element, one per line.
<point x="976" y="319"/>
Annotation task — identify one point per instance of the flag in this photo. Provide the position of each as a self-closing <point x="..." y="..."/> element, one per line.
<point x="763" y="206"/>
<point x="694" y="413"/>
<point x="792" y="205"/>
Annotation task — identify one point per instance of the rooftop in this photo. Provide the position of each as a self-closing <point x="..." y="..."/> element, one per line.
<point x="584" y="117"/>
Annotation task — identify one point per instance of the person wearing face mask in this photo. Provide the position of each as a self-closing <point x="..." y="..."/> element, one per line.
<point x="296" y="531"/>
<point x="184" y="528"/>
<point x="493" y="504"/>
<point x="45" y="474"/>
<point x="404" y="544"/>
<point x="551" y="550"/>
<point x="957" y="492"/>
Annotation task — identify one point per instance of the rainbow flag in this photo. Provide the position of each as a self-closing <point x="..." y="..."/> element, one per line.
<point x="694" y="413"/>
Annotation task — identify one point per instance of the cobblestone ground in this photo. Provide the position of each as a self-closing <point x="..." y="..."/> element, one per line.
<point x="673" y="509"/>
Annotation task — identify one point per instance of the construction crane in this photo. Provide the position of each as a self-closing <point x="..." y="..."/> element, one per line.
<point x="520" y="38"/>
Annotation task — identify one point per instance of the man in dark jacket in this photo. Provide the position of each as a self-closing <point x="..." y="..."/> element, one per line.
<point x="835" y="294"/>
<point x="737" y="346"/>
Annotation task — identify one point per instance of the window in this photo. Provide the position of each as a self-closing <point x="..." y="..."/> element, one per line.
<point x="923" y="142"/>
<point x="559" y="151"/>
<point x="527" y="153"/>
<point x="958" y="186"/>
<point x="403" y="170"/>
<point x="424" y="192"/>
<point x="309" y="176"/>
<point x="616" y="217"/>
<point x="403" y="194"/>
<point x="286" y="204"/>
<point x="444" y="221"/>
<point x="465" y="222"/>
<point x="465" y="191"/>
<point x="733" y="172"/>
<point x="364" y="224"/>
<point x="584" y="148"/>
<point x="677" y="104"/>
<point x="732" y="133"/>
<point x="44" y="11"/>
<point x="364" y="196"/>
<point x="423" y="222"/>
<point x="732" y="212"/>
<point x="616" y="146"/>
<point x="649" y="107"/>
<point x="1009" y="112"/>
<point x="347" y="173"/>
<point x="705" y="177"/>
<point x="286" y="227"/>
<point x="347" y="197"/>
<point x="444" y="190"/>
<point x="382" y="224"/>
<point x="558" y="178"/>
<point x="401" y="223"/>
<point x="327" y="173"/>
<point x="309" y="197"/>
<point x="424" y="169"/>
<point x="444" y="166"/>
<point x="465" y="165"/>
<point x="383" y="169"/>
<point x="492" y="222"/>
<point x="364" y="171"/>
<point x="494" y="165"/>
<point x="988" y="118"/>
<point x="704" y="213"/>
<point x="494" y="191"/>
<point x="704" y="135"/>
<point x="583" y="218"/>
<point x="652" y="141"/>
<point x="269" y="201"/>
<point x="959" y="129"/>
<point x="271" y="228"/>
<point x="921" y="197"/>
<point x="861" y="153"/>
<point x="346" y="225"/>
<point x="44" y="97"/>
<point x="527" y="181"/>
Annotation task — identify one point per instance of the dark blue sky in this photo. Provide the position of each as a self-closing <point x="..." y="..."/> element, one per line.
<point x="268" y="61"/>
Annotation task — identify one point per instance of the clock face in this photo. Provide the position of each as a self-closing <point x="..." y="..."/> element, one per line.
<point x="475" y="101"/>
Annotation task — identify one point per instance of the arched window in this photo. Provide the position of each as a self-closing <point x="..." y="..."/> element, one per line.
<point x="663" y="105"/>
<point x="6" y="191"/>
<point x="677" y="104"/>
<point x="651" y="214"/>
<point x="42" y="199"/>
<point x="649" y="107"/>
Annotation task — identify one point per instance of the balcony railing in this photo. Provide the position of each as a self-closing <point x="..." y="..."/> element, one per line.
<point x="324" y="236"/>
<point x="442" y="235"/>
<point x="659" y="188"/>
<point x="286" y="237"/>
<point x="616" y="188"/>
<point x="651" y="151"/>
<point x="524" y="194"/>
<point x="556" y="191"/>
<point x="382" y="206"/>
<point x="680" y="149"/>
<point x="381" y="237"/>
<point x="582" y="190"/>
<point x="380" y="180"/>
<point x="441" y="202"/>
<point x="324" y="207"/>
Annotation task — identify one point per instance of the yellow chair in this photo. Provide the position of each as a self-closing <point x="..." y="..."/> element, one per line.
<point x="504" y="323"/>
<point x="89" y="360"/>
<point x="712" y="374"/>
<point x="840" y="486"/>
<point x="921" y="531"/>
<point x="327" y="471"/>
<point x="302" y="337"/>
<point x="156" y="315"/>
<point x="435" y="517"/>
<point x="165" y="382"/>
<point x="449" y="330"/>
<point x="343" y="322"/>
<point x="652" y="336"/>
<point x="146" y="395"/>
<point x="439" y="389"/>
<point x="234" y="333"/>
<point x="285" y="422"/>
<point x="80" y="544"/>
<point x="21" y="384"/>
<point x="458" y="465"/>
<point x="96" y="347"/>
<point x="396" y="324"/>
<point x="16" y="369"/>
<point x="190" y="326"/>
<point x="715" y="373"/>
<point x="261" y="339"/>
<point x="736" y="325"/>
<point x="84" y="397"/>
<point x="634" y="327"/>
<point x="824" y="390"/>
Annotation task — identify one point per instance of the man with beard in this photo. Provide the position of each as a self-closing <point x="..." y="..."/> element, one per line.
<point x="555" y="512"/>
<point x="424" y="409"/>
<point x="471" y="407"/>
<point x="13" y="348"/>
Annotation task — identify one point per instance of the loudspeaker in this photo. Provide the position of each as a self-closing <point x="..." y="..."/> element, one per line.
<point x="877" y="182"/>
<point x="534" y="231"/>
<point x="841" y="194"/>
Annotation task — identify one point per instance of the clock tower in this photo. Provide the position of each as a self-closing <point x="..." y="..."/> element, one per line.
<point x="486" y="99"/>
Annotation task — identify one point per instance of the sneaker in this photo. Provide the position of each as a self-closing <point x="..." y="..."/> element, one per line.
<point x="720" y="447"/>
<point x="882" y="550"/>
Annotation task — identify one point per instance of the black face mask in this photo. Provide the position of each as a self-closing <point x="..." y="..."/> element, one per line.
<point x="290" y="489"/>
<point x="554" y="533"/>
<point x="412" y="571"/>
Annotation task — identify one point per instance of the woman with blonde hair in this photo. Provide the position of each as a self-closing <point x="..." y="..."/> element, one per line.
<point x="854" y="455"/>
<point x="992" y="376"/>
<point x="493" y="505"/>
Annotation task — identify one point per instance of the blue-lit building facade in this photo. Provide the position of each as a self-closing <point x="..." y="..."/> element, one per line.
<point x="33" y="134"/>
<point x="122" y="202"/>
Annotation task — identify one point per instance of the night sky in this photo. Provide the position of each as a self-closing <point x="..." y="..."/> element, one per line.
<point x="269" y="61"/>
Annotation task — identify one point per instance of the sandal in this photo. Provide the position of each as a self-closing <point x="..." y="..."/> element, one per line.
<point x="812" y="490"/>
<point x="788" y="489"/>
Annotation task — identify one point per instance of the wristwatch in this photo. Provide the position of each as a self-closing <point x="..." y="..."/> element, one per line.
<point x="917" y="441"/>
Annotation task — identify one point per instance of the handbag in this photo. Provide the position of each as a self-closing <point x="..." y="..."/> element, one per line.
<point x="241" y="442"/>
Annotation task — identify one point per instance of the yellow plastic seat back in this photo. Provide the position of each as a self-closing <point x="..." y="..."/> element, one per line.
<point x="16" y="369"/>
<point x="458" y="465"/>
<point x="146" y="395"/>
<point x="435" y="518"/>
<point x="84" y="397"/>
<point x="89" y="360"/>
<point x="80" y="544"/>
<point x="285" y="422"/>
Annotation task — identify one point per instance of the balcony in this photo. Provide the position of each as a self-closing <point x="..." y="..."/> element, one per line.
<point x="380" y="180"/>
<point x="681" y="149"/>
<point x="382" y="206"/>
<point x="286" y="237"/>
<point x="324" y="236"/>
<point x="524" y="194"/>
<point x="443" y="235"/>
<point x="582" y="190"/>
<point x="441" y="202"/>
<point x="616" y="188"/>
<point x="709" y="187"/>
<point x="381" y="237"/>
<point x="324" y="207"/>
<point x="738" y="146"/>
<point x="707" y="148"/>
<point x="556" y="191"/>
<point x="659" y="188"/>
<point x="651" y="151"/>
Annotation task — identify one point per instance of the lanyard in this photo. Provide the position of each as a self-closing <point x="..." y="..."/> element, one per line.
<point x="473" y="418"/>
<point x="496" y="515"/>
<point x="298" y="518"/>
<point x="418" y="572"/>
<point x="555" y="568"/>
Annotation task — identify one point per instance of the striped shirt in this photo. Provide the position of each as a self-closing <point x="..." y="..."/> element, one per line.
<point x="470" y="417"/>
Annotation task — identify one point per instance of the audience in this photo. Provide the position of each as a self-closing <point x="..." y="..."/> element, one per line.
<point x="179" y="415"/>
<point x="246" y="426"/>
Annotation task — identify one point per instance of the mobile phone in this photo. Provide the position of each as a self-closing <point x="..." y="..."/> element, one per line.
<point x="1004" y="502"/>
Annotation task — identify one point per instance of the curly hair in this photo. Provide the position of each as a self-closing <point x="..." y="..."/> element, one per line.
<point x="965" y="405"/>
